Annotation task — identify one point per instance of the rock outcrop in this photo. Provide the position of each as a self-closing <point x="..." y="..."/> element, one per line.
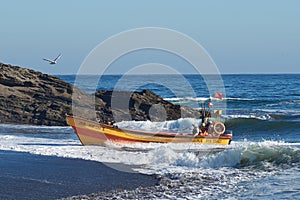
<point x="31" y="97"/>
<point x="142" y="106"/>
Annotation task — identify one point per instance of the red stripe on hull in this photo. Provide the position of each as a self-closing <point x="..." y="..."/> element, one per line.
<point x="101" y="136"/>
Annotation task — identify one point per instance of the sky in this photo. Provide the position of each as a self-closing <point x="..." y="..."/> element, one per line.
<point x="240" y="36"/>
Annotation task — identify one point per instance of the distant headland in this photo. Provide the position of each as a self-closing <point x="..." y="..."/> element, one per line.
<point x="31" y="97"/>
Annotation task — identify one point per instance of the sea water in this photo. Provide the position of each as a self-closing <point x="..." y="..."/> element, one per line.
<point x="262" y="162"/>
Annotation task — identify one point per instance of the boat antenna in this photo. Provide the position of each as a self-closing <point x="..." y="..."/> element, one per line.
<point x="203" y="112"/>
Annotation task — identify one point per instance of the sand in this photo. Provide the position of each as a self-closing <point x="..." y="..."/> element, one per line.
<point x="28" y="176"/>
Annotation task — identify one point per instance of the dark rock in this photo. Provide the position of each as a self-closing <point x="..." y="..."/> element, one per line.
<point x="141" y="106"/>
<point x="30" y="97"/>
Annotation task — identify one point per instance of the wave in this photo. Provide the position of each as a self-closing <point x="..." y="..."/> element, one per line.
<point x="33" y="129"/>
<point x="186" y="99"/>
<point x="262" y="125"/>
<point x="202" y="99"/>
<point x="162" y="158"/>
<point x="284" y="115"/>
<point x="261" y="155"/>
<point x="264" y="156"/>
<point x="239" y="99"/>
<point x="246" y="123"/>
<point x="287" y="102"/>
<point x="24" y="126"/>
<point x="182" y="125"/>
<point x="241" y="116"/>
<point x="274" y="107"/>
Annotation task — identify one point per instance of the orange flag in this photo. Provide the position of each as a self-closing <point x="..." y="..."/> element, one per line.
<point x="219" y="95"/>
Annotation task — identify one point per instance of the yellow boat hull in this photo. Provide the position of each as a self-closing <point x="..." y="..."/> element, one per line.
<point x="93" y="133"/>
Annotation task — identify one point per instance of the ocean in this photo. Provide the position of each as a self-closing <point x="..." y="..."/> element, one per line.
<point x="262" y="161"/>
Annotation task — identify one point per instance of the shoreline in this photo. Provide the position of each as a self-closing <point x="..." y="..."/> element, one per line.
<point x="30" y="176"/>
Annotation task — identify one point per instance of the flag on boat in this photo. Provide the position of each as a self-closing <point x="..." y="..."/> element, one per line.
<point x="218" y="112"/>
<point x="219" y="95"/>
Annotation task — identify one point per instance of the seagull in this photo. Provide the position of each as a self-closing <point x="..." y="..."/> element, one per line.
<point x="53" y="62"/>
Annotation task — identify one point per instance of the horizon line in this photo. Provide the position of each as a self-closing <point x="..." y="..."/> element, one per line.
<point x="254" y="73"/>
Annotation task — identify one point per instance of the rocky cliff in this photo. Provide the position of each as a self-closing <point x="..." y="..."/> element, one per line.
<point x="31" y="97"/>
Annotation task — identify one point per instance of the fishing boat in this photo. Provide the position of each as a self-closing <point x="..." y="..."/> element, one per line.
<point x="94" y="133"/>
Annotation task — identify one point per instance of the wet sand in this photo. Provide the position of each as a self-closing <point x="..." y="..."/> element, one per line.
<point x="28" y="176"/>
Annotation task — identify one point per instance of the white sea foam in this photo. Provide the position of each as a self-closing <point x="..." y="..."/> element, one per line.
<point x="203" y="99"/>
<point x="182" y="167"/>
<point x="155" y="157"/>
<point x="22" y="126"/>
<point x="182" y="125"/>
<point x="287" y="102"/>
<point x="261" y="117"/>
<point x="187" y="99"/>
<point x="239" y="99"/>
<point x="280" y="111"/>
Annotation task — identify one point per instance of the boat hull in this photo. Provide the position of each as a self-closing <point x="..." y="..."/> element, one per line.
<point x="93" y="133"/>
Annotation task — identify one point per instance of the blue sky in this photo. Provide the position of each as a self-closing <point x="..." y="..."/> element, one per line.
<point x="241" y="36"/>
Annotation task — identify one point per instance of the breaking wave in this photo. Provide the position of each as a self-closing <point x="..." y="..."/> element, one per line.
<point x="261" y="155"/>
<point x="238" y="154"/>
<point x="182" y="125"/>
<point x="264" y="124"/>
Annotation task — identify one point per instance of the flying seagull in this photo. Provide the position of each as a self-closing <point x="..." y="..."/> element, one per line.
<point x="53" y="62"/>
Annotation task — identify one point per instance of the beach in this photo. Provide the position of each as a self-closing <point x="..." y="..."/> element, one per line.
<point x="29" y="176"/>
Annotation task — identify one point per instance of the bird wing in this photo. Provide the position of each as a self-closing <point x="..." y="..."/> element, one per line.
<point x="58" y="57"/>
<point x="47" y="60"/>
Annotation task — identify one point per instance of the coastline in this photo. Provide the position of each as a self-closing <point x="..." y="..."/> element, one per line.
<point x="28" y="176"/>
